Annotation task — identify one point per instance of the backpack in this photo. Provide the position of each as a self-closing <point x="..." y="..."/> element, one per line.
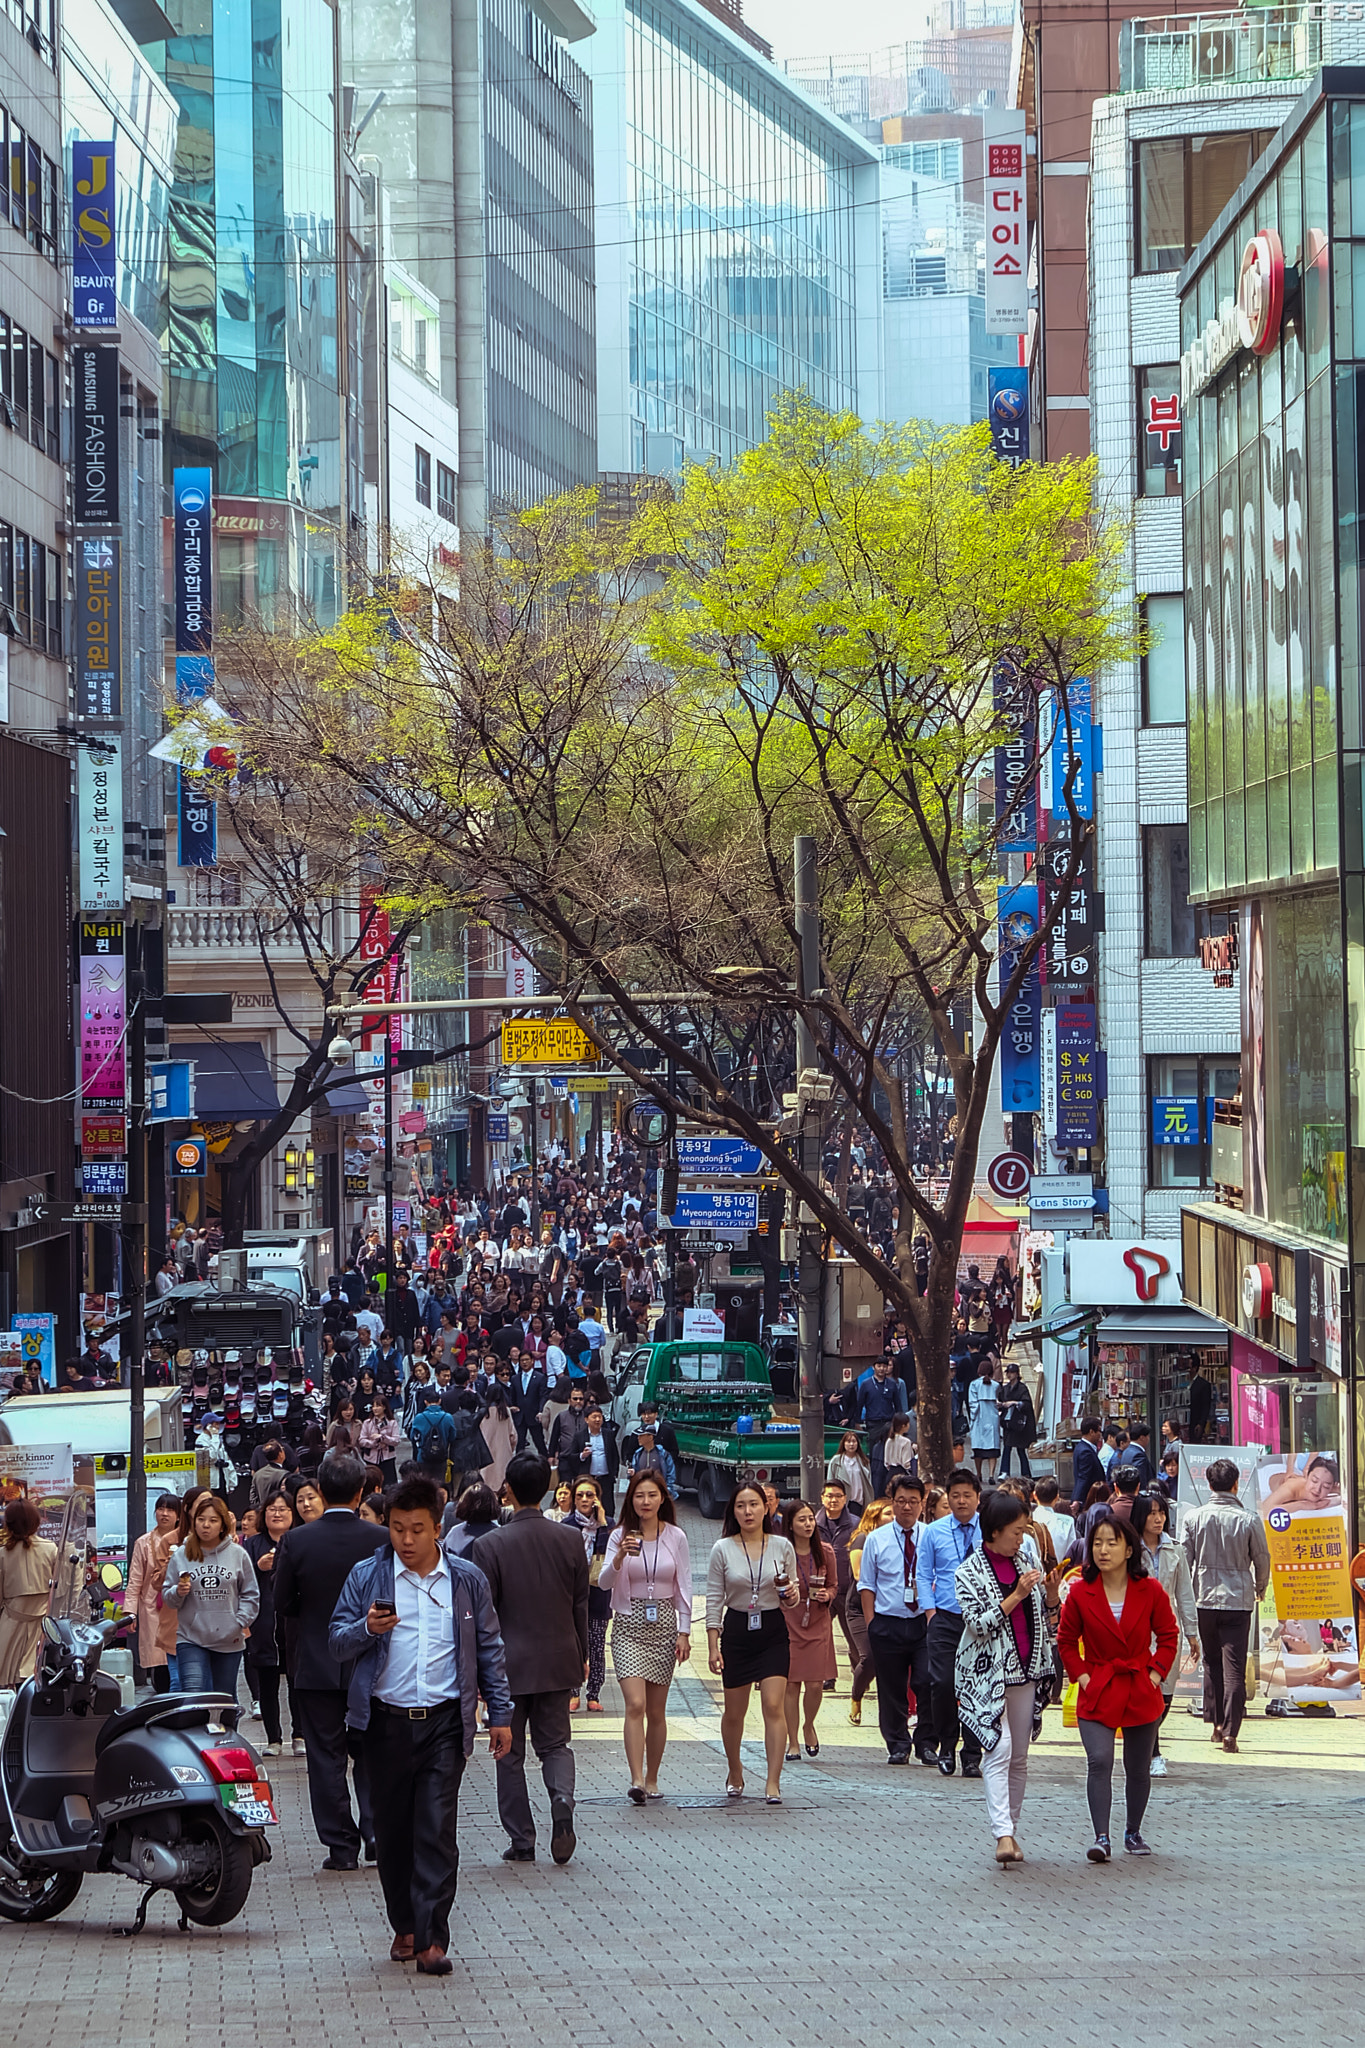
<point x="430" y="1435"/>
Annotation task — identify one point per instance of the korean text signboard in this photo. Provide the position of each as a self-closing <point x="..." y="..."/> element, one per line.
<point x="1007" y="411"/>
<point x="1312" y="1637"/>
<point x="1003" y="141"/>
<point x="99" y="821"/>
<point x="1078" y="1090"/>
<point x="1021" y="1043"/>
<point x="698" y="1153"/>
<point x="1016" y="765"/>
<point x="546" y="1042"/>
<point x="714" y="1209"/>
<point x="95" y="461"/>
<point x="99" y="637"/>
<point x="1070" y="910"/>
<point x="94" y="283"/>
<point x="192" y="569"/>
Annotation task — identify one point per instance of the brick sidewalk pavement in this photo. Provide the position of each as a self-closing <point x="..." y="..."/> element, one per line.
<point x="867" y="1906"/>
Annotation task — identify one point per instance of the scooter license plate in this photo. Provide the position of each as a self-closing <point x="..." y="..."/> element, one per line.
<point x="252" y="1804"/>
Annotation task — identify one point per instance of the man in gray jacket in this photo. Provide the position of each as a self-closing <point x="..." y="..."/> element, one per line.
<point x="424" y="1635"/>
<point x="538" y="1575"/>
<point x="1229" y="1561"/>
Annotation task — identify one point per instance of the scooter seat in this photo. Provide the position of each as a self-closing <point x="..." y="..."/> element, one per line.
<point x="167" y="1709"/>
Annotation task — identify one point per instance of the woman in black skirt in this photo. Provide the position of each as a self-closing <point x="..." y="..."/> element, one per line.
<point x="751" y="1576"/>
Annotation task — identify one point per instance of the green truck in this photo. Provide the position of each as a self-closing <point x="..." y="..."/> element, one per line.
<point x="704" y="1389"/>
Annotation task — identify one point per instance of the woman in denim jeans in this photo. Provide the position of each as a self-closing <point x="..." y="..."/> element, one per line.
<point x="211" y="1582"/>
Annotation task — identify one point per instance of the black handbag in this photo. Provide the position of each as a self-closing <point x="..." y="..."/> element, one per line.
<point x="469" y="1452"/>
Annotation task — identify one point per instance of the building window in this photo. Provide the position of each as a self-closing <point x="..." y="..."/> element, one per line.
<point x="445" y="491"/>
<point x="1158" y="418"/>
<point x="1183" y="184"/>
<point x="423" y="477"/>
<point x="1181" y="1092"/>
<point x="1163" y="665"/>
<point x="1174" y="925"/>
<point x="216" y="888"/>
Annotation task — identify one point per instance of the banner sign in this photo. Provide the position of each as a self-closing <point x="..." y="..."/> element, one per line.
<point x="103" y="1137"/>
<point x="94" y="284"/>
<point x="103" y="1019"/>
<point x="1007" y="411"/>
<point x="197" y="822"/>
<point x="1071" y="912"/>
<point x="1078" y="1090"/>
<point x="99" y="634"/>
<point x="190" y="1158"/>
<point x="1021" y="1083"/>
<point x="1016" y="766"/>
<point x="99" y="826"/>
<point x="192" y="570"/>
<point x="1003" y="141"/>
<point x="1075" y="747"/>
<point x="496" y="1127"/>
<point x="547" y="1042"/>
<point x="1313" y="1638"/>
<point x="95" y="470"/>
<point x="37" y="1332"/>
<point x="1175" y="1120"/>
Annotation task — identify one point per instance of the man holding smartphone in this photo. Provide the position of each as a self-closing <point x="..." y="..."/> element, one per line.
<point x="425" y="1636"/>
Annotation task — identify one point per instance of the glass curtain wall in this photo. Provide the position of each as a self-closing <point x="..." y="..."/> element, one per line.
<point x="251" y="344"/>
<point x="742" y="283"/>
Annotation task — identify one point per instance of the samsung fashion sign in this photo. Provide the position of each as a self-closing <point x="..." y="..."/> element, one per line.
<point x="1249" y="321"/>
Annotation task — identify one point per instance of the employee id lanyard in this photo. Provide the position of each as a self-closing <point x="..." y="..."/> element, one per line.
<point x="911" y="1585"/>
<point x="755" y="1579"/>
<point x="651" y="1573"/>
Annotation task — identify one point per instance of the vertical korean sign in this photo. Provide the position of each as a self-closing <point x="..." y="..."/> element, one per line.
<point x="99" y="814"/>
<point x="1016" y="765"/>
<point x="1020" y="1045"/>
<point x="1007" y="411"/>
<point x="94" y="283"/>
<point x="103" y="1066"/>
<point x="99" y="636"/>
<point x="1003" y="143"/>
<point x="95" y="478"/>
<point x="192" y="576"/>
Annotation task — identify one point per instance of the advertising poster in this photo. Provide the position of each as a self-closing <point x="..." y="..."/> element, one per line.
<point x="37" y="1333"/>
<point x="1309" y="1646"/>
<point x="44" y="1474"/>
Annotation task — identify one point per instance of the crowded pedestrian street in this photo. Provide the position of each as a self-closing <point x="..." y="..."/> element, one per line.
<point x="865" y="1907"/>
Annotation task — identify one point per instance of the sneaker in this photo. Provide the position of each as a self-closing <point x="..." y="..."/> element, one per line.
<point x="298" y="1746"/>
<point x="253" y="1713"/>
<point x="1158" y="1767"/>
<point x="1098" y="1852"/>
<point x="1134" y="1844"/>
<point x="274" y="1749"/>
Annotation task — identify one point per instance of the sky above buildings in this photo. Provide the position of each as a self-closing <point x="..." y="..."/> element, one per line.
<point x="808" y="28"/>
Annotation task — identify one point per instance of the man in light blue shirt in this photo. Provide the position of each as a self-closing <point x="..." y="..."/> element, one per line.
<point x="888" y="1586"/>
<point x="943" y="1546"/>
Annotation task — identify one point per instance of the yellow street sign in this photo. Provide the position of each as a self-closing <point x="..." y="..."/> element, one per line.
<point x="546" y="1042"/>
<point x="589" y="1084"/>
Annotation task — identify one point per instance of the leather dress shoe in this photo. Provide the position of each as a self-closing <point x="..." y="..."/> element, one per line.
<point x="563" y="1841"/>
<point x="371" y="1852"/>
<point x="400" y="1949"/>
<point x="434" y="1962"/>
<point x="336" y="1861"/>
<point x="518" y="1855"/>
<point x="1229" y="1745"/>
<point x="947" y="1765"/>
<point x="971" y="1770"/>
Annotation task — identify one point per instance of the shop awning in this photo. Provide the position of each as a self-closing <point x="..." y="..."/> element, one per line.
<point x="348" y="1097"/>
<point x="1163" y="1326"/>
<point x="232" y="1082"/>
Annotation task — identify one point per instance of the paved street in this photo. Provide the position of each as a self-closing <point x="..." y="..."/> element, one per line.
<point x="867" y="1903"/>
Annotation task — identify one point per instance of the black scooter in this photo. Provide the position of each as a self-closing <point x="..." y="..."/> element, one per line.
<point x="165" y="1792"/>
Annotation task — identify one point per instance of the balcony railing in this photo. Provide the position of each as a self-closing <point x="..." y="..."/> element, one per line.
<point x="201" y="929"/>
<point x="1175" y="53"/>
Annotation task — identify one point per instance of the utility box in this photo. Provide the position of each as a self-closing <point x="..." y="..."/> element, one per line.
<point x="854" y="1311"/>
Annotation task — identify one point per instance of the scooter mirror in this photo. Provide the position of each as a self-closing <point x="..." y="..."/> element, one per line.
<point x="51" y="1630"/>
<point x="111" y="1578"/>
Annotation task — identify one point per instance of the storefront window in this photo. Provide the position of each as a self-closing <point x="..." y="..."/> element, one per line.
<point x="1181" y="1093"/>
<point x="1294" y="1127"/>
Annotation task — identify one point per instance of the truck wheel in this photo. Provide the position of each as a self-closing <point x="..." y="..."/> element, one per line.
<point x="710" y="1498"/>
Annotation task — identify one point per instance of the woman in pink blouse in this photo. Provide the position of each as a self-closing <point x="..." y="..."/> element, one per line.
<point x="648" y="1571"/>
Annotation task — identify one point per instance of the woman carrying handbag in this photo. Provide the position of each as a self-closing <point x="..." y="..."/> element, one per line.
<point x="1004" y="1652"/>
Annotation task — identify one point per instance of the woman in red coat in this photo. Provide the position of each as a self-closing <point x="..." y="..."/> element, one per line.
<point x="1118" y="1638"/>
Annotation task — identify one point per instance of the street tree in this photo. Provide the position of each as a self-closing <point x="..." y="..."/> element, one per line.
<point x="606" y="745"/>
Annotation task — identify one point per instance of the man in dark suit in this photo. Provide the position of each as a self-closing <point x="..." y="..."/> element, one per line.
<point x="538" y="1574"/>
<point x="311" y="1568"/>
<point x="530" y="1385"/>
<point x="1086" y="1468"/>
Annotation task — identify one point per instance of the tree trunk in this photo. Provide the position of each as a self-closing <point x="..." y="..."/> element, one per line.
<point x="932" y="1346"/>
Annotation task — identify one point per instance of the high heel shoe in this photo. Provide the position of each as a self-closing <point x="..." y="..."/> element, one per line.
<point x="855" y="1713"/>
<point x="733" y="1791"/>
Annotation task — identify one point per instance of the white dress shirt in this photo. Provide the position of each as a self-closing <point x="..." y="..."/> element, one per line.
<point x="422" y="1669"/>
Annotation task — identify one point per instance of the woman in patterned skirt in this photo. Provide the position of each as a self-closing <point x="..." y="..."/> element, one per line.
<point x="649" y="1573"/>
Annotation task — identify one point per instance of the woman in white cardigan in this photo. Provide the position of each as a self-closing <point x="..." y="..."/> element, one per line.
<point x="1003" y="1652"/>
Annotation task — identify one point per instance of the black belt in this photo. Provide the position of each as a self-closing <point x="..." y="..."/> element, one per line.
<point x="415" y="1713"/>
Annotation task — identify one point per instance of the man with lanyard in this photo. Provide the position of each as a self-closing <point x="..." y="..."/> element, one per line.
<point x="896" y="1628"/>
<point x="943" y="1546"/>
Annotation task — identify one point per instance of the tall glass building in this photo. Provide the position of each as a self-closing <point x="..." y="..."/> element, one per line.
<point x="738" y="240"/>
<point x="253" y="384"/>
